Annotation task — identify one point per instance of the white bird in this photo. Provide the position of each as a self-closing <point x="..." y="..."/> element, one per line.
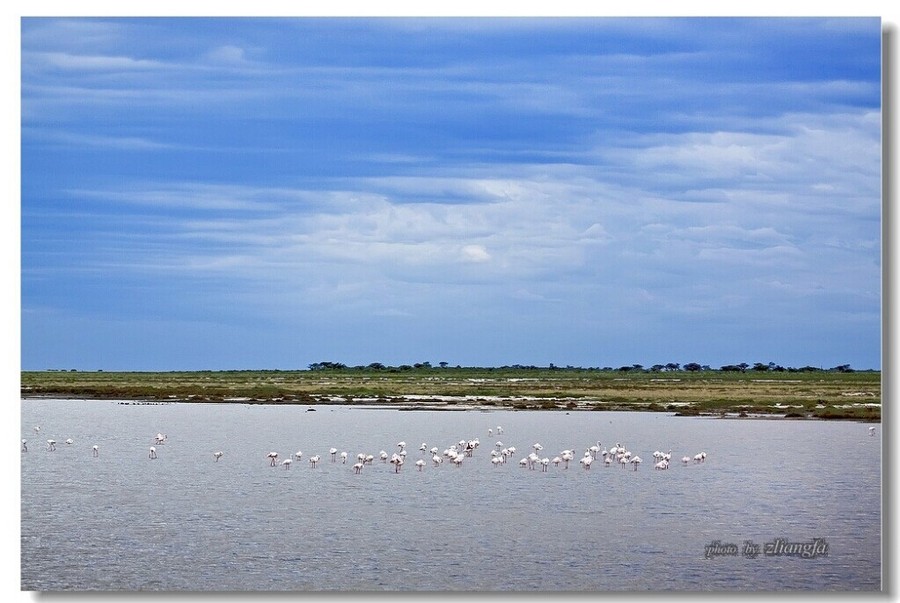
<point x="343" y="458"/>
<point x="218" y="455"/>
<point x="685" y="459"/>
<point x="383" y="455"/>
<point x="152" y="452"/>
<point x="161" y="438"/>
<point x="499" y="430"/>
<point x="490" y="432"/>
<point x="636" y="460"/>
<point x="545" y="462"/>
<point x="70" y="441"/>
<point x="496" y="460"/>
<point x="299" y="454"/>
<point x="420" y="464"/>
<point x="333" y="453"/>
<point x="314" y="460"/>
<point x="357" y="467"/>
<point x="24" y="445"/>
<point x="436" y="459"/>
<point x="95" y="450"/>
<point x="423" y="447"/>
<point x="663" y="464"/>
<point x="51" y="444"/>
<point x="286" y="463"/>
<point x="37" y="428"/>
<point x="273" y="457"/>
<point x="586" y="461"/>
<point x="871" y="431"/>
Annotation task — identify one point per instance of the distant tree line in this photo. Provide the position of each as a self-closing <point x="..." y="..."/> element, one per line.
<point x="691" y="367"/>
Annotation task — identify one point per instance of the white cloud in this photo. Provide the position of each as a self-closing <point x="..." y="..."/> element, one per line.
<point x="475" y="253"/>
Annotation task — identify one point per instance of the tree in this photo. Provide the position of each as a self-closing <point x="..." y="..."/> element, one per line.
<point x="692" y="366"/>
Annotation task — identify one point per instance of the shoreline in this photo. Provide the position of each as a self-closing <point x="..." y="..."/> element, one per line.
<point x="472" y="404"/>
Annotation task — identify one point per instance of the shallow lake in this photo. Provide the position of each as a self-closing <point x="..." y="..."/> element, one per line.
<point x="776" y="505"/>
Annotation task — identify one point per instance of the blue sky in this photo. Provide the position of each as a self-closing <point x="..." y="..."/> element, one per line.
<point x="267" y="193"/>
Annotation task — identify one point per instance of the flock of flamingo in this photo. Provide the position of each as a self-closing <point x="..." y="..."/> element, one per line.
<point x="454" y="454"/>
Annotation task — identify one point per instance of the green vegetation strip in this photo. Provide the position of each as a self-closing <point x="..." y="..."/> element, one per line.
<point x="810" y="394"/>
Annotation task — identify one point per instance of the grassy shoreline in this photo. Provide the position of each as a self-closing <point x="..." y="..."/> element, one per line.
<point x="813" y="395"/>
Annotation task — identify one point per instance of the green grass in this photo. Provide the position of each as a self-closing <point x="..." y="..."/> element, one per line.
<point x="819" y="394"/>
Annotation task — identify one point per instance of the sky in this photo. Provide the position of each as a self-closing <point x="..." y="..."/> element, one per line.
<point x="267" y="193"/>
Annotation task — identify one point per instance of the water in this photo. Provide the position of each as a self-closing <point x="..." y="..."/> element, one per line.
<point x="120" y="521"/>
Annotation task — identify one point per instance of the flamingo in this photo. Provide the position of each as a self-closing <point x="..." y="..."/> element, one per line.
<point x="37" y="428"/>
<point x="70" y="441"/>
<point x="161" y="438"/>
<point x="218" y="455"/>
<point x="636" y="460"/>
<point x="357" y="468"/>
<point x="499" y="430"/>
<point x="299" y="454"/>
<point x="437" y="460"/>
<point x="286" y="463"/>
<point x="608" y="461"/>
<point x="545" y="462"/>
<point x="457" y="460"/>
<point x="490" y="432"/>
<point x="384" y="456"/>
<point x="420" y="464"/>
<point x="153" y="452"/>
<point x="685" y="459"/>
<point x="314" y="460"/>
<point x="871" y="431"/>
<point x="495" y="461"/>
<point x="595" y="449"/>
<point x="24" y="445"/>
<point x="586" y="461"/>
<point x="423" y="447"/>
<point x="343" y="458"/>
<point x="333" y="453"/>
<point x="662" y="465"/>
<point x="51" y="444"/>
<point x="95" y="450"/>
<point x="273" y="457"/>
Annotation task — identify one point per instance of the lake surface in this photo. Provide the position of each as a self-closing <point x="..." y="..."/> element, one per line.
<point x="186" y="522"/>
